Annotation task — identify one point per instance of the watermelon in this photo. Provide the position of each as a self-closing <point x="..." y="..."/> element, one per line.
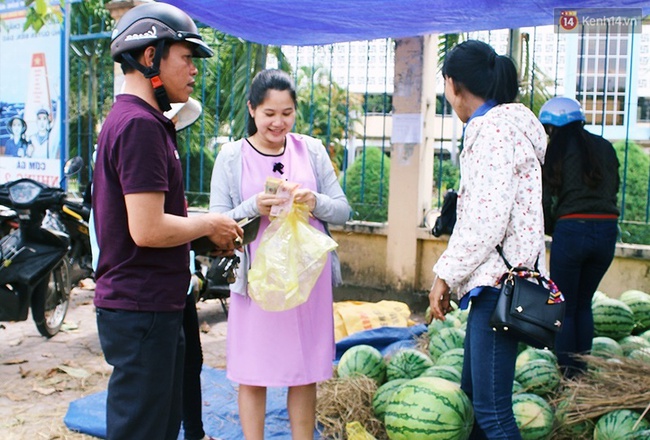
<point x="444" y="372"/>
<point x="516" y="387"/>
<point x="612" y="318"/>
<point x="538" y="376"/>
<point x="605" y="347"/>
<point x="598" y="295"/>
<point x="641" y="354"/>
<point x="429" y="408"/>
<point x="646" y="335"/>
<point x="363" y="360"/>
<point x="631" y="343"/>
<point x="436" y="325"/>
<point x="530" y="354"/>
<point x="619" y="425"/>
<point x="639" y="303"/>
<point x="534" y="416"/>
<point x="445" y="340"/>
<point x="407" y="363"/>
<point x="383" y="395"/>
<point x="582" y="429"/>
<point x="453" y="358"/>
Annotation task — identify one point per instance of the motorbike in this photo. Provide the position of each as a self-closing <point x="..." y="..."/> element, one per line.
<point x="34" y="265"/>
<point x="75" y="215"/>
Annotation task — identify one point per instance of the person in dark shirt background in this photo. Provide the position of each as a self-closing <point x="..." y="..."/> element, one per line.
<point x="580" y="184"/>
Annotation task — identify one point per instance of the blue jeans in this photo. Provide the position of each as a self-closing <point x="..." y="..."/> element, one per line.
<point x="147" y="351"/>
<point x="581" y="253"/>
<point x="489" y="371"/>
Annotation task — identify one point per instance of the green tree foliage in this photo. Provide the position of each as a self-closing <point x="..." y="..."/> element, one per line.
<point x="366" y="186"/>
<point x="446" y="175"/>
<point x="326" y="110"/>
<point x="633" y="227"/>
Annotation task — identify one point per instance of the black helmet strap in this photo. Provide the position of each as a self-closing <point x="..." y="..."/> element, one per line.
<point x="153" y="74"/>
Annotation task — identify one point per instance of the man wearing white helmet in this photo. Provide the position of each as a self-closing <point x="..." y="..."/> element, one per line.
<point x="142" y="227"/>
<point x="580" y="183"/>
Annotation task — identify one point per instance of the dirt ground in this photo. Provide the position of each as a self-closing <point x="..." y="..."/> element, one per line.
<point x="39" y="377"/>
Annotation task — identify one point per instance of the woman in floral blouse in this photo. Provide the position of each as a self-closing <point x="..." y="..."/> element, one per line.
<point x="499" y="203"/>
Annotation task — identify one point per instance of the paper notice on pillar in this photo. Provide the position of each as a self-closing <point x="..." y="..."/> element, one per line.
<point x="407" y="128"/>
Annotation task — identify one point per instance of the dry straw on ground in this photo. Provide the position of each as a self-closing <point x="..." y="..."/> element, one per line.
<point x="344" y="400"/>
<point x="610" y="384"/>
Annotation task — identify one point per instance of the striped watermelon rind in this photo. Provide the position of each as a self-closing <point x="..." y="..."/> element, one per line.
<point x="445" y="340"/>
<point x="605" y="347"/>
<point x="538" y="376"/>
<point x="619" y="424"/>
<point x="383" y="395"/>
<point x="534" y="416"/>
<point x="639" y="303"/>
<point x="362" y="360"/>
<point x="444" y="372"/>
<point x="407" y="363"/>
<point x="582" y="429"/>
<point x="453" y="358"/>
<point x="641" y="354"/>
<point x="429" y="408"/>
<point x="531" y="354"/>
<point x="631" y="343"/>
<point x="612" y="318"/>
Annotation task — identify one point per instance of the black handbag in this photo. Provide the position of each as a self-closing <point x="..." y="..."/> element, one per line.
<point x="530" y="306"/>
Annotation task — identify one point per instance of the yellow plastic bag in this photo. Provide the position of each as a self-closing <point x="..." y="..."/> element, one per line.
<point x="356" y="431"/>
<point x="288" y="261"/>
<point x="355" y="316"/>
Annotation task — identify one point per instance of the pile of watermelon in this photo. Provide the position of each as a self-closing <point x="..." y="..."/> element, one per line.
<point x="419" y="394"/>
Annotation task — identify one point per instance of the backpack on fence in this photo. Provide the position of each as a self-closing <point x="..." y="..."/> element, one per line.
<point x="447" y="218"/>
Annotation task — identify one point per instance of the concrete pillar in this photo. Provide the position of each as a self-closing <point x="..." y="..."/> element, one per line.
<point x="117" y="9"/>
<point x="411" y="173"/>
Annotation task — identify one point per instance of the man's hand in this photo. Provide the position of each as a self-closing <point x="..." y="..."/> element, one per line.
<point x="226" y="233"/>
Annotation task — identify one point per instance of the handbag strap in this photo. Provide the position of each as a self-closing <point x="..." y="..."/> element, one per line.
<point x="508" y="265"/>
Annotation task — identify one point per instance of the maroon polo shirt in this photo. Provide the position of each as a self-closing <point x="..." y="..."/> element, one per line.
<point x="137" y="153"/>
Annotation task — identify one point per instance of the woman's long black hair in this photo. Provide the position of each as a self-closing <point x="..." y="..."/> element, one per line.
<point x="265" y="80"/>
<point x="557" y="146"/>
<point x="475" y="66"/>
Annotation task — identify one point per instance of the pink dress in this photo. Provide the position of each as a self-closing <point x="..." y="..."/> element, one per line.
<point x="292" y="347"/>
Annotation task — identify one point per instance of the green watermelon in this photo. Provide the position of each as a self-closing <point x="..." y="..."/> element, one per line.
<point x="605" y="347"/>
<point x="534" y="416"/>
<point x="516" y="387"/>
<point x="619" y="425"/>
<point x="445" y="340"/>
<point x="583" y="429"/>
<point x="646" y="335"/>
<point x="453" y="358"/>
<point x="531" y="354"/>
<point x="407" y="363"/>
<point x="631" y="343"/>
<point x="598" y="295"/>
<point x="436" y="325"/>
<point x="383" y="395"/>
<point x="444" y="372"/>
<point x="612" y="318"/>
<point x="639" y="303"/>
<point x="538" y="376"/>
<point x="429" y="408"/>
<point x="363" y="360"/>
<point x="641" y="354"/>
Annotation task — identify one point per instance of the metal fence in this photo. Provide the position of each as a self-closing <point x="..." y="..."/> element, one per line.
<point x="345" y="93"/>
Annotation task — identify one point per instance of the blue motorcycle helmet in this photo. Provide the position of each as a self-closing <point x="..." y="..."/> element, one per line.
<point x="560" y="111"/>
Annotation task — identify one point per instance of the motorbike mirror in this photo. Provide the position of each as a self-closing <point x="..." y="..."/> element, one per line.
<point x="73" y="166"/>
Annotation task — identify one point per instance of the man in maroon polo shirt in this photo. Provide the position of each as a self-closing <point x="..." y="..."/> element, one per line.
<point x="142" y="226"/>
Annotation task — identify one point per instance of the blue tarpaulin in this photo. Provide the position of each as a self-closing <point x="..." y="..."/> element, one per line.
<point x="220" y="413"/>
<point x="313" y="22"/>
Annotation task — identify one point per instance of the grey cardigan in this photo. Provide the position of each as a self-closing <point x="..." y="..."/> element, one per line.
<point x="225" y="197"/>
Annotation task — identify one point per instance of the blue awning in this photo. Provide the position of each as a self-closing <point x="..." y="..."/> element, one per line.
<point x="315" y="22"/>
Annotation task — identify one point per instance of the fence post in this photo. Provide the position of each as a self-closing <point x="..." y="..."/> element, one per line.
<point x="411" y="172"/>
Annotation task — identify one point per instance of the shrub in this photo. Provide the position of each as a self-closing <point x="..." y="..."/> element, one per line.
<point x="366" y="186"/>
<point x="636" y="192"/>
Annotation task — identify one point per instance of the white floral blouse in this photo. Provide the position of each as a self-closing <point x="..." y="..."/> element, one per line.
<point x="500" y="199"/>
